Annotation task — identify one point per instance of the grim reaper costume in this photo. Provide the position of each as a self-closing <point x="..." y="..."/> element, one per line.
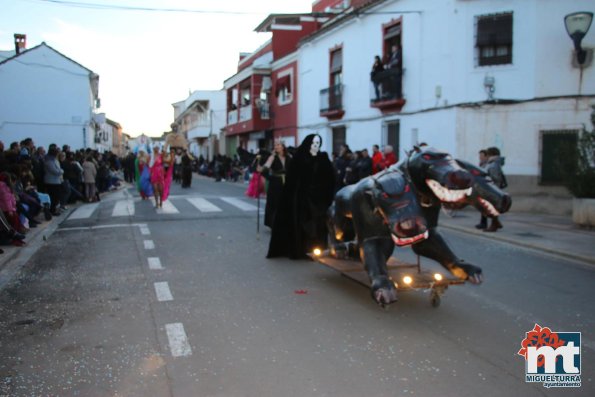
<point x="300" y="222"/>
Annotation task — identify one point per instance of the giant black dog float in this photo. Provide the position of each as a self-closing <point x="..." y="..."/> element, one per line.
<point x="400" y="206"/>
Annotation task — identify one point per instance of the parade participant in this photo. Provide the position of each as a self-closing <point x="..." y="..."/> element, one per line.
<point x="160" y="179"/>
<point x="186" y="164"/>
<point x="256" y="187"/>
<point x="143" y="175"/>
<point x="300" y="222"/>
<point x="274" y="170"/>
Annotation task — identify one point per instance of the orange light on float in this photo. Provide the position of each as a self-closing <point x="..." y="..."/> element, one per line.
<point x="317" y="251"/>
<point x="438" y="277"/>
<point x="407" y="280"/>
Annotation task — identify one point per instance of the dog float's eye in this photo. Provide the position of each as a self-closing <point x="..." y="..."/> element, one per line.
<point x="427" y="157"/>
<point x="407" y="188"/>
<point x="476" y="172"/>
<point x="384" y="195"/>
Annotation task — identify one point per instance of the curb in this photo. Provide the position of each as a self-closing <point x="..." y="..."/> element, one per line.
<point x="495" y="236"/>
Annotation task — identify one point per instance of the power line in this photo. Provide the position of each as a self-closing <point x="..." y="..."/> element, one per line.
<point x="95" y="6"/>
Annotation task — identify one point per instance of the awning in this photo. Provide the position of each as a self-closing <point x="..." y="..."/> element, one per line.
<point x="283" y="82"/>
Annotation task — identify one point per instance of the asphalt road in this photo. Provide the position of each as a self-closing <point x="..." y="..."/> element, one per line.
<point x="125" y="301"/>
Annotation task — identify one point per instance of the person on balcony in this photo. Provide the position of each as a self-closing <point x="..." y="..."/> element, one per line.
<point x="394" y="64"/>
<point x="377" y="68"/>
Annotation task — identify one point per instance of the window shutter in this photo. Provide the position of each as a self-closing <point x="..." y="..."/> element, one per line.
<point x="336" y="61"/>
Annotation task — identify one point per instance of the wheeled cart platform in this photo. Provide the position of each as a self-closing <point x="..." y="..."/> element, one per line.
<point x="405" y="276"/>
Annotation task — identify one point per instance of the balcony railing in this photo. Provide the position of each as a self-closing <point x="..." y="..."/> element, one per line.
<point x="263" y="109"/>
<point x="246" y="113"/>
<point x="232" y="117"/>
<point x="331" y="99"/>
<point x="386" y="86"/>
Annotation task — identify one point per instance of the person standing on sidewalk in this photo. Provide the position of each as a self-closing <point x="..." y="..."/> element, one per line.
<point x="52" y="177"/>
<point x="483" y="160"/>
<point x="494" y="170"/>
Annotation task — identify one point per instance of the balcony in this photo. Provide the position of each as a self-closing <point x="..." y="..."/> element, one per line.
<point x="263" y="109"/>
<point x="246" y="113"/>
<point x="232" y="117"/>
<point x="386" y="91"/>
<point x="331" y="102"/>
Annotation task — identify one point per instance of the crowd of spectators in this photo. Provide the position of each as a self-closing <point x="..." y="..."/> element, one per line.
<point x="350" y="167"/>
<point x="36" y="185"/>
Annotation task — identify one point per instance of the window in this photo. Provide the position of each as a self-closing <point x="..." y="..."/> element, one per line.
<point x="391" y="37"/>
<point x="245" y="92"/>
<point x="284" y="87"/>
<point x="336" y="67"/>
<point x="494" y="39"/>
<point x="232" y="98"/>
<point x="338" y="138"/>
<point x="558" y="155"/>
<point x="392" y="135"/>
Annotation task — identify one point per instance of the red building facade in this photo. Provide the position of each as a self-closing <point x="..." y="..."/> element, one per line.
<point x="262" y="96"/>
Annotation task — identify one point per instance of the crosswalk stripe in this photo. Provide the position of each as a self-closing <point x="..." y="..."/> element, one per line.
<point x="236" y="202"/>
<point x="123" y="208"/>
<point x="203" y="205"/>
<point x="84" y="211"/>
<point x="167" y="208"/>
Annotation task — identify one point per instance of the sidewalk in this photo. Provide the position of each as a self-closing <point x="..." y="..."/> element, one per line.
<point x="553" y="234"/>
<point x="14" y="258"/>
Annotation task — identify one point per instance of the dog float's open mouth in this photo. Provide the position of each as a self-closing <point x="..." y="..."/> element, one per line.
<point x="403" y="241"/>
<point x="488" y="207"/>
<point x="448" y="195"/>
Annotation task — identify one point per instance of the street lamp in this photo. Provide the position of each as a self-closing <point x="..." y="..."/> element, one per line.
<point x="577" y="26"/>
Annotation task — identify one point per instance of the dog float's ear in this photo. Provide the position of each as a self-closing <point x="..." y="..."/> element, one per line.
<point x="416" y="149"/>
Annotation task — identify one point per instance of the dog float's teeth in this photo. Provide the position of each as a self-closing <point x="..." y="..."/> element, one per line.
<point x="403" y="241"/>
<point x="448" y="195"/>
<point x="489" y="207"/>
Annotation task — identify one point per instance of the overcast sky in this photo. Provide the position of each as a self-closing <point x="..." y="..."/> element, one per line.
<point x="146" y="60"/>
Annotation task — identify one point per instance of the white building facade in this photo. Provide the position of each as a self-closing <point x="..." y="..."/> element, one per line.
<point x="201" y="118"/>
<point x="474" y="74"/>
<point x="48" y="97"/>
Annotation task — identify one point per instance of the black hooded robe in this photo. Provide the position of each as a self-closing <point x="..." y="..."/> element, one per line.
<point x="300" y="222"/>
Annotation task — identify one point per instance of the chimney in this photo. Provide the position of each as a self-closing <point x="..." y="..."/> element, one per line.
<point x="20" y="42"/>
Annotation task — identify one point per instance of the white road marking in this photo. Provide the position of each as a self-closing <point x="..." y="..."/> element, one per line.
<point x="84" y="211"/>
<point x="70" y="229"/>
<point x="167" y="207"/>
<point x="203" y="205"/>
<point x="163" y="292"/>
<point x="154" y="263"/>
<point x="178" y="342"/>
<point x="144" y="230"/>
<point x="123" y="208"/>
<point x="236" y="202"/>
<point x="149" y="244"/>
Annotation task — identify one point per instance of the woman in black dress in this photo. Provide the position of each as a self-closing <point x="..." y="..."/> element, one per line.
<point x="274" y="170"/>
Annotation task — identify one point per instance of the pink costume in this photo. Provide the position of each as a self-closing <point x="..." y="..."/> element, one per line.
<point x="159" y="176"/>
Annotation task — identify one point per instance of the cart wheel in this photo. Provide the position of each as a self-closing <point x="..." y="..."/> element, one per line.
<point x="435" y="299"/>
